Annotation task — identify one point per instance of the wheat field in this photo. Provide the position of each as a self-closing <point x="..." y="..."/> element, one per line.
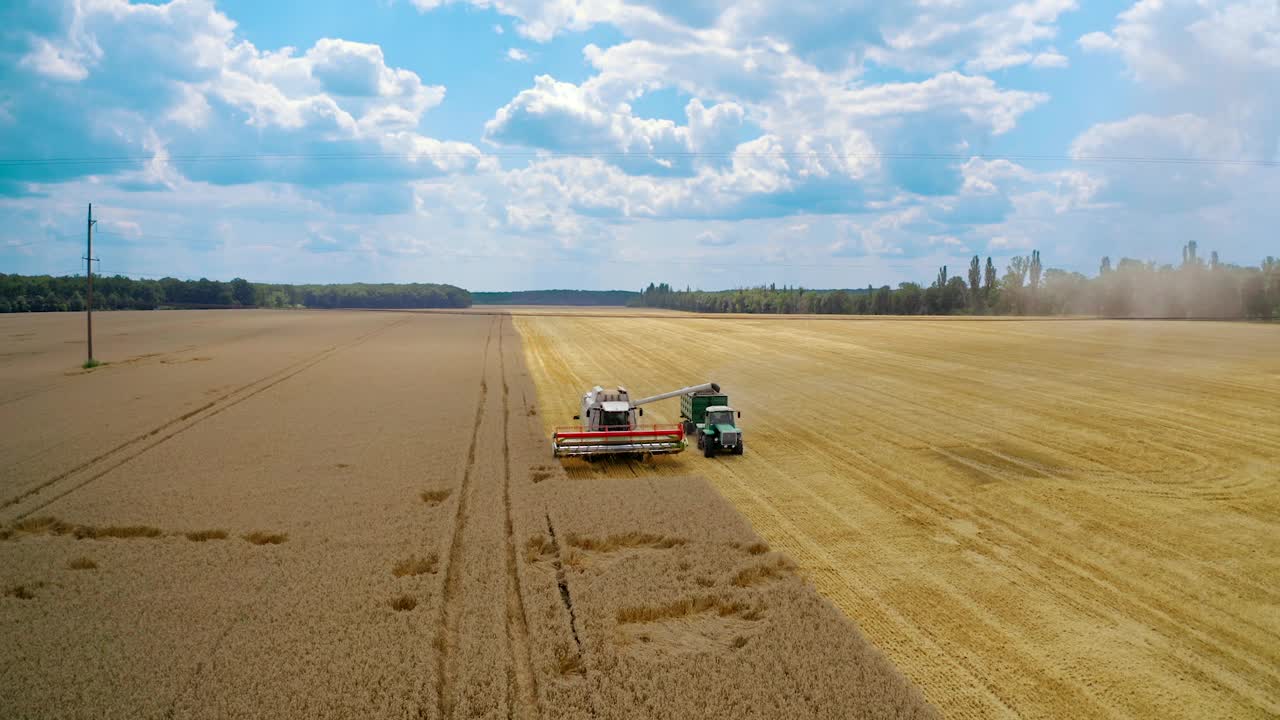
<point x="355" y="515"/>
<point x="1031" y="518"/>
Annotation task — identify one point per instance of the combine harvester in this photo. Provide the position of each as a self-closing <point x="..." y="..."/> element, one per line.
<point x="610" y="426"/>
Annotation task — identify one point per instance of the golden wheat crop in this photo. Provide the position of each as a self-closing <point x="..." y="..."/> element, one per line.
<point x="1031" y="518"/>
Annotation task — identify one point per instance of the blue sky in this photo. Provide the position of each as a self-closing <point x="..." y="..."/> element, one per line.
<point x="509" y="144"/>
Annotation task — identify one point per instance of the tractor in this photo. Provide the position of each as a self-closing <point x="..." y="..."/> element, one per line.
<point x="706" y="416"/>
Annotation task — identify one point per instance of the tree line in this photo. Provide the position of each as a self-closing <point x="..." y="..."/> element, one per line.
<point x="556" y="297"/>
<point x="46" y="293"/>
<point x="1195" y="288"/>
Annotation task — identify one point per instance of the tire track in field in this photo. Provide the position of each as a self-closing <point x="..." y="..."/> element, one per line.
<point x="1115" y="585"/>
<point x="929" y="649"/>
<point x="1098" y="592"/>
<point x="522" y="687"/>
<point x="1107" y="584"/>
<point x="886" y="363"/>
<point x="1133" y="535"/>
<point x="924" y="407"/>
<point x="70" y="376"/>
<point x="446" y="641"/>
<point x="120" y="454"/>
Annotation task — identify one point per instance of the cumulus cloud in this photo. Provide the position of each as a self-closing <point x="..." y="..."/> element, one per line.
<point x="1050" y="58"/>
<point x="1212" y="69"/>
<point x="1176" y="136"/>
<point x="56" y="63"/>
<point x="787" y="92"/>
<point x="976" y="35"/>
<point x="178" y="72"/>
<point x="819" y="135"/>
<point x="567" y="118"/>
<point x="541" y="20"/>
<point x="1097" y="41"/>
<point x="795" y="115"/>
<point x="1173" y="42"/>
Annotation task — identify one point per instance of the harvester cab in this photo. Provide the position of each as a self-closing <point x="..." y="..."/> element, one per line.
<point x="611" y="426"/>
<point x="706" y="416"/>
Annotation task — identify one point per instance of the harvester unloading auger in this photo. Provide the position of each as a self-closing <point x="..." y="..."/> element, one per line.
<point x="610" y="426"/>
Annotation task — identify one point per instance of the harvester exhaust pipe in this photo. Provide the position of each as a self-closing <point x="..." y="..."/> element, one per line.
<point x="713" y="387"/>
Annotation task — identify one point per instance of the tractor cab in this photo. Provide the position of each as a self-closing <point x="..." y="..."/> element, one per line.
<point x="721" y="415"/>
<point x="614" y="415"/>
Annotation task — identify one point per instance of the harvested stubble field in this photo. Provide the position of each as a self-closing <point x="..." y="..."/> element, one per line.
<point x="1031" y="518"/>
<point x="354" y="515"/>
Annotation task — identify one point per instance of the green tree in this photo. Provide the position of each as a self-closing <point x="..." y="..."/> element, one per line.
<point x="910" y="299"/>
<point x="241" y="291"/>
<point x="975" y="283"/>
<point x="1011" y="286"/>
<point x="989" y="283"/>
<point x="1034" y="270"/>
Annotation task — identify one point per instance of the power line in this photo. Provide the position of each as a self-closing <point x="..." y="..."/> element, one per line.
<point x="42" y="241"/>
<point x="582" y="261"/>
<point x="143" y="236"/>
<point x="618" y="155"/>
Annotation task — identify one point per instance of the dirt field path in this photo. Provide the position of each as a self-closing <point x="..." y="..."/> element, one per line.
<point x="1034" y="519"/>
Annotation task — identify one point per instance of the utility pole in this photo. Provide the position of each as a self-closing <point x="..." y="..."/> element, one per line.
<point x="88" y="271"/>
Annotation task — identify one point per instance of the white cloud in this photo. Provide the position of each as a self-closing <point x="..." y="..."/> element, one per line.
<point x="178" y="72"/>
<point x="1173" y="137"/>
<point x="1174" y="42"/>
<point x="541" y="20"/>
<point x="1097" y="41"/>
<point x="567" y="118"/>
<point x="976" y="35"/>
<point x="708" y="238"/>
<point x="786" y="147"/>
<point x="56" y="63"/>
<point x="959" y="34"/>
<point x="1212" y="69"/>
<point x="1176" y="136"/>
<point x="1050" y="58"/>
<point x="787" y="94"/>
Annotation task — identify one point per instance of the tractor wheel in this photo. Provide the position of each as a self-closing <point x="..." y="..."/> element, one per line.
<point x="708" y="449"/>
<point x="738" y="450"/>
<point x="701" y="439"/>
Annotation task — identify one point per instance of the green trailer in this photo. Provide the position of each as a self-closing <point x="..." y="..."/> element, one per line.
<point x="707" y="417"/>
